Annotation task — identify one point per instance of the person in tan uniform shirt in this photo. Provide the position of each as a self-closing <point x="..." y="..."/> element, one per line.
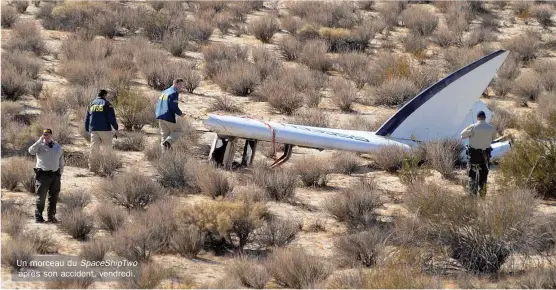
<point x="481" y="134"/>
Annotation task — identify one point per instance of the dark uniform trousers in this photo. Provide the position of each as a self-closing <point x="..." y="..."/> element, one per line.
<point x="47" y="182"/>
<point x="477" y="171"/>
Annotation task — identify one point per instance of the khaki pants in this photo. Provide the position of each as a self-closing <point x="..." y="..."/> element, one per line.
<point x="98" y="139"/>
<point x="170" y="132"/>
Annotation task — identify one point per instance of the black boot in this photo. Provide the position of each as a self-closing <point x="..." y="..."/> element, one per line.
<point x="52" y="219"/>
<point x="39" y="219"/>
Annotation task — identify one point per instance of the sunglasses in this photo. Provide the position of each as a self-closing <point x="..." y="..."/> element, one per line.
<point x="46" y="134"/>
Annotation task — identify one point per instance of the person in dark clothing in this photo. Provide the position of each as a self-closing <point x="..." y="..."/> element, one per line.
<point x="48" y="173"/>
<point x="166" y="111"/>
<point x="100" y="121"/>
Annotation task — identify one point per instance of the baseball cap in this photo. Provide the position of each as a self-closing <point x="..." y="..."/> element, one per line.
<point x="47" y="131"/>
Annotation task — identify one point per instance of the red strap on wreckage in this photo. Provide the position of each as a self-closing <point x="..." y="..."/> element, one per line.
<point x="272" y="130"/>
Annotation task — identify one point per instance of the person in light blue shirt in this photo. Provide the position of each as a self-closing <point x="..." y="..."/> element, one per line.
<point x="166" y="111"/>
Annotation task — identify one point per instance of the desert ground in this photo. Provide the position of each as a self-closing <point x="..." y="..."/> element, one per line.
<point x="324" y="219"/>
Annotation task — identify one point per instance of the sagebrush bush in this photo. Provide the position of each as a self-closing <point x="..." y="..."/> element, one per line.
<point x="42" y="242"/>
<point x="311" y="117"/>
<point x="313" y="54"/>
<point x="266" y="61"/>
<point x="94" y="250"/>
<point x="218" y="57"/>
<point x="264" y="28"/>
<point x="446" y="37"/>
<point x="395" y="92"/>
<point x="281" y="95"/>
<point x="76" y="199"/>
<point x="345" y="162"/>
<point x="278" y="184"/>
<point x="313" y="171"/>
<point x="388" y="66"/>
<point x="415" y="44"/>
<point x="547" y="107"/>
<point x="60" y="125"/>
<point x="309" y="270"/>
<point x="105" y="163"/>
<point x="344" y="94"/>
<point x="327" y="14"/>
<point x="524" y="45"/>
<point x="291" y="47"/>
<point x="390" y="158"/>
<point x="355" y="205"/>
<point x="291" y="24"/>
<point x="391" y="12"/>
<point x="20" y="71"/>
<point x="355" y="66"/>
<point x="528" y="86"/>
<point x="225" y="104"/>
<point x="17" y="137"/>
<point x="132" y="190"/>
<point x="420" y="20"/>
<point x="130" y="106"/>
<point x="502" y="119"/>
<point x="9" y="16"/>
<point x="26" y="36"/>
<point x="151" y="275"/>
<point x="547" y="73"/>
<point x="443" y="155"/>
<point x="176" y="170"/>
<point x="479" y="36"/>
<point x="188" y="241"/>
<point x="277" y="232"/>
<point x="176" y="42"/>
<point x="238" y="78"/>
<point x="136" y="242"/>
<point x="110" y="218"/>
<point x="13" y="217"/>
<point x="362" y="248"/>
<point x="543" y="13"/>
<point x="213" y="182"/>
<point x="460" y="57"/>
<point x="77" y="224"/>
<point x="510" y="68"/>
<point x="18" y="170"/>
<point x="70" y="283"/>
<point x="249" y="273"/>
<point x="130" y="141"/>
<point x="539" y="278"/>
<point x="16" y="252"/>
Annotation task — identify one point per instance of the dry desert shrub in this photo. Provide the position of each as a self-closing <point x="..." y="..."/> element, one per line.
<point x="390" y="158"/>
<point x="502" y="119"/>
<point x="16" y="138"/>
<point x="151" y="275"/>
<point x="9" y="16"/>
<point x="281" y="95"/>
<point x="264" y="28"/>
<point x="395" y="92"/>
<point x="132" y="190"/>
<point x="528" y="86"/>
<point x="443" y="155"/>
<point x="188" y="241"/>
<point x="130" y="141"/>
<point x="539" y="278"/>
<point x="86" y="18"/>
<point x="212" y="181"/>
<point x="16" y="252"/>
<point x="420" y="20"/>
<point x="446" y="37"/>
<point x="313" y="171"/>
<point x="479" y="36"/>
<point x="60" y="125"/>
<point x="94" y="250"/>
<point x="177" y="170"/>
<point x="291" y="47"/>
<point x="110" y="218"/>
<point x="20" y="71"/>
<point x="342" y="40"/>
<point x="13" y="217"/>
<point x="457" y="58"/>
<point x="77" y="223"/>
<point x="355" y="66"/>
<point x="355" y="205"/>
<point x="105" y="163"/>
<point x="219" y="56"/>
<point x="361" y="249"/>
<point x="136" y="242"/>
<point x="133" y="109"/>
<point x="224" y="283"/>
<point x="70" y="283"/>
<point x="76" y="199"/>
<point x="26" y="36"/>
<point x="543" y="13"/>
<point x="266" y="61"/>
<point x="160" y="71"/>
<point x="361" y="123"/>
<point x="277" y="232"/>
<point x="391" y="12"/>
<point x="291" y="24"/>
<point x="279" y="184"/>
<point x="42" y="242"/>
<point x="547" y="73"/>
<point x="313" y="54"/>
<point x="344" y="94"/>
<point x="311" y="117"/>
<point x="388" y="66"/>
<point x="547" y="106"/>
<point x="238" y="78"/>
<point x="18" y="170"/>
<point x="338" y="15"/>
<point x="345" y="162"/>
<point x="293" y="268"/>
<point x="249" y="273"/>
<point x="224" y="22"/>
<point x="225" y="104"/>
<point x="415" y="44"/>
<point x="524" y="45"/>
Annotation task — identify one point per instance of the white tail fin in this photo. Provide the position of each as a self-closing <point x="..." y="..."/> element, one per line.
<point x="440" y="110"/>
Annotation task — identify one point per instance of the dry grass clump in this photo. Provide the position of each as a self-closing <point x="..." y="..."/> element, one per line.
<point x="26" y="36"/>
<point x="76" y="199"/>
<point x="77" y="223"/>
<point x="266" y="61"/>
<point x="188" y="241"/>
<point x="446" y="37"/>
<point x="362" y="248"/>
<point x="547" y="73"/>
<point x="249" y="273"/>
<point x="355" y="205"/>
<point x="337" y="15"/>
<point x="279" y="184"/>
<point x="110" y="218"/>
<point x="387" y="66"/>
<point x="293" y="268"/>
<point x="395" y="92"/>
<point x="313" y="171"/>
<point x="18" y="170"/>
<point x="390" y="158"/>
<point x="151" y="275"/>
<point x="17" y="251"/>
<point x="161" y="71"/>
<point x="391" y="12"/>
<point x="130" y="141"/>
<point x="415" y="44"/>
<point x="443" y="155"/>
<point x="355" y="66"/>
<point x="176" y="42"/>
<point x="176" y="170"/>
<point x="225" y="104"/>
<point x="344" y="94"/>
<point x="277" y="232"/>
<point x="291" y="24"/>
<point x="291" y="47"/>
<point x="9" y="16"/>
<point x="13" y="217"/>
<point x="212" y="181"/>
<point x="16" y="138"/>
<point x="539" y="278"/>
<point x="524" y="45"/>
<point x="420" y="20"/>
<point x="132" y="190"/>
<point x="238" y="78"/>
<point x="362" y="123"/>
<point x="345" y="162"/>
<point x="543" y="13"/>
<point x="528" y="86"/>
<point x="218" y="56"/>
<point x="105" y="163"/>
<point x="20" y="71"/>
<point x="94" y="250"/>
<point x="313" y="54"/>
<point x="42" y="242"/>
<point x="264" y="28"/>
<point x="311" y="117"/>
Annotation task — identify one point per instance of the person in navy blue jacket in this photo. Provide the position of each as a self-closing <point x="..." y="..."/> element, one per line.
<point x="166" y="111"/>
<point x="100" y="121"/>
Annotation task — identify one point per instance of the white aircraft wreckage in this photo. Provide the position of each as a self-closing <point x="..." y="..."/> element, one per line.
<point x="440" y="111"/>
